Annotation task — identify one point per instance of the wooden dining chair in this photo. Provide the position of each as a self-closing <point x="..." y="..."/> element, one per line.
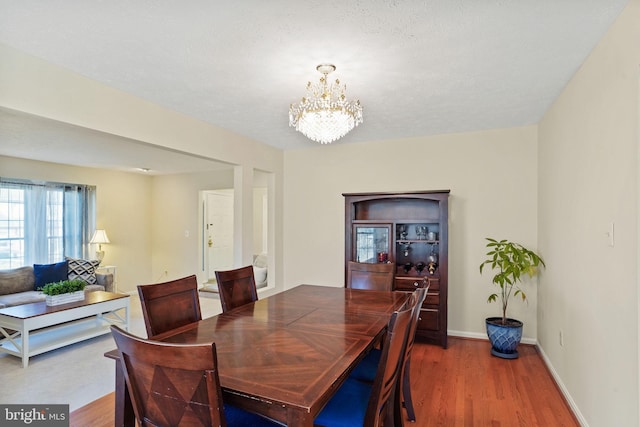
<point x="236" y="287"/>
<point x="176" y="384"/>
<point x="367" y="368"/>
<point x="169" y="305"/>
<point x="405" y="378"/>
<point x="357" y="403"/>
<point x="379" y="277"/>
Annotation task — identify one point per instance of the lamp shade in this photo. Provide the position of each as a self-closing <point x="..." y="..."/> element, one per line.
<point x="100" y="236"/>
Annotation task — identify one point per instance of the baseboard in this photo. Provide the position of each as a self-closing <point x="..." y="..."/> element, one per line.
<point x="483" y="336"/>
<point x="563" y="389"/>
<point x="547" y="362"/>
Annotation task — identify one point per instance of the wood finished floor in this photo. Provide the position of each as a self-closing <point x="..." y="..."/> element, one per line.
<point x="461" y="386"/>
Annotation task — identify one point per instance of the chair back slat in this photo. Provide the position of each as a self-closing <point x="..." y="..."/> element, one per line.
<point x="171" y="384"/>
<point x="378" y="277"/>
<point x="383" y="394"/>
<point x="236" y="287"/>
<point x="421" y="295"/>
<point x="169" y="305"/>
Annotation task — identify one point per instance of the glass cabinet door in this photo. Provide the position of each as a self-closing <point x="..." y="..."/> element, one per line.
<point x="371" y="243"/>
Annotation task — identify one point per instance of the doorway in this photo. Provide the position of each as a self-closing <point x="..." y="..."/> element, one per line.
<point x="217" y="232"/>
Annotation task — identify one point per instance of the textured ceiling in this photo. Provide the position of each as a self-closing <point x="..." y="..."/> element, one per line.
<point x="418" y="67"/>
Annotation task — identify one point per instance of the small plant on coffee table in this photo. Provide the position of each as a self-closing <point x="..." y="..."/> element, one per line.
<point x="63" y="287"/>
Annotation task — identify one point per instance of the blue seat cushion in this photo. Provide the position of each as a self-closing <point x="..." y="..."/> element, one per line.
<point x="348" y="407"/>
<point x="237" y="417"/>
<point x="368" y="367"/>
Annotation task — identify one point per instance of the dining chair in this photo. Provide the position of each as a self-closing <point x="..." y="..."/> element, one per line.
<point x="362" y="275"/>
<point x="176" y="384"/>
<point x="366" y="370"/>
<point x="169" y="305"/>
<point x="236" y="287"/>
<point x="357" y="403"/>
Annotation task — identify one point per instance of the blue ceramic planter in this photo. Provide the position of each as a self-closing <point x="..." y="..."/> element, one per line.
<point x="504" y="338"/>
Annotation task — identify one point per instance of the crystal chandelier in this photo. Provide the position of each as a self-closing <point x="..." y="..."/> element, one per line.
<point x="325" y="115"/>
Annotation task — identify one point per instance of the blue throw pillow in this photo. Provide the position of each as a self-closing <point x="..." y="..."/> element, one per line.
<point x="49" y="273"/>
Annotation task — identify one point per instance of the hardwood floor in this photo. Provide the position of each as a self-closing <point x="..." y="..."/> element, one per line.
<point x="99" y="413"/>
<point x="461" y="386"/>
<point x="466" y="386"/>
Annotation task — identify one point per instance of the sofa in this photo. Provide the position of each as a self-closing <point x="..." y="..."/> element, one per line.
<point x="260" y="270"/>
<point x="18" y="285"/>
<point x="259" y="275"/>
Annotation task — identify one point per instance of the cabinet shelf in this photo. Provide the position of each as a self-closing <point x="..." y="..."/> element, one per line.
<point x="428" y="242"/>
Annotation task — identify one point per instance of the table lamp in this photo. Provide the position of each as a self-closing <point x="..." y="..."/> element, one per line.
<point x="100" y="237"/>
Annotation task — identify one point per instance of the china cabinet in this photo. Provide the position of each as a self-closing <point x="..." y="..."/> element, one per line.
<point x="409" y="229"/>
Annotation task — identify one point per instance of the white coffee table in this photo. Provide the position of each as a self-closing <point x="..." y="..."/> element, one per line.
<point x="30" y="329"/>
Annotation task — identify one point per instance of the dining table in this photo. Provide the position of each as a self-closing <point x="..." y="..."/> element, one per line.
<point x="284" y="356"/>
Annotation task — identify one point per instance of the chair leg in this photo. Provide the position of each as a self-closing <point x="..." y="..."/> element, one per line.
<point x="406" y="392"/>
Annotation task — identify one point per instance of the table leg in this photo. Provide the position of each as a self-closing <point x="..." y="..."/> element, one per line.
<point x="25" y="347"/>
<point x="127" y="316"/>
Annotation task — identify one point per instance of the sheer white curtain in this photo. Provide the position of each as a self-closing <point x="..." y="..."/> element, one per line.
<point x="41" y="222"/>
<point x="79" y="219"/>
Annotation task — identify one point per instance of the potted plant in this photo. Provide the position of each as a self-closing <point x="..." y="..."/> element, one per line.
<point x="64" y="291"/>
<point x="510" y="261"/>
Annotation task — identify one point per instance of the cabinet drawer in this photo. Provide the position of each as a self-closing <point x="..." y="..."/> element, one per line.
<point x="432" y="298"/>
<point x="434" y="284"/>
<point x="412" y="283"/>
<point x="429" y="320"/>
<point x="408" y="283"/>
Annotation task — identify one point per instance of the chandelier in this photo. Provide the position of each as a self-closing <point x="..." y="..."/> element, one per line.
<point x="325" y="115"/>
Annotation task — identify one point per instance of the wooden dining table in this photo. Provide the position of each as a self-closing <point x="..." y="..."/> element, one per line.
<point x="284" y="356"/>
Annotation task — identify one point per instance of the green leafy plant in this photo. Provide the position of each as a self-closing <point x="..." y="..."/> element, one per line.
<point x="510" y="261"/>
<point x="63" y="287"/>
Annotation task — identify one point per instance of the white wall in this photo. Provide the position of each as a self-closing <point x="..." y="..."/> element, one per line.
<point x="36" y="87"/>
<point x="175" y="211"/>
<point x="259" y="202"/>
<point x="123" y="205"/>
<point x="588" y="178"/>
<point x="492" y="178"/>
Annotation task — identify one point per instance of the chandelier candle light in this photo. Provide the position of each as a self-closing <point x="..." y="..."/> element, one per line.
<point x="325" y="115"/>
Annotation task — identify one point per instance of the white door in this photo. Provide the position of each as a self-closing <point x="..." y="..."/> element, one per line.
<point x="219" y="231"/>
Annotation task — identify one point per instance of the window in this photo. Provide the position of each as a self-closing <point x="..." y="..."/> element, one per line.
<point x="41" y="222"/>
